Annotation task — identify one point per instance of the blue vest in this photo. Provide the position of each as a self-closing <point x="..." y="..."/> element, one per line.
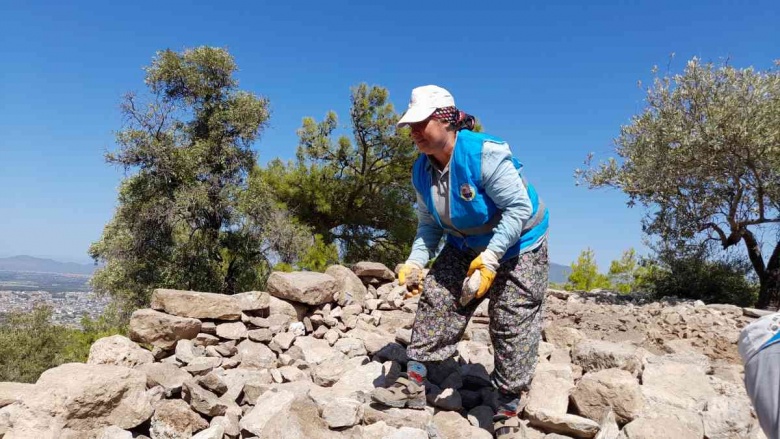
<point x="472" y="212"/>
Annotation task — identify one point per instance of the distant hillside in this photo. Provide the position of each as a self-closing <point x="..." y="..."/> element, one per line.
<point x="40" y="265"/>
<point x="559" y="273"/>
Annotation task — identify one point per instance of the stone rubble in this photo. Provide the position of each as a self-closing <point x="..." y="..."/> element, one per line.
<point x="301" y="360"/>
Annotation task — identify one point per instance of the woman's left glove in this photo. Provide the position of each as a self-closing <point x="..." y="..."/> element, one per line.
<point x="411" y="275"/>
<point x="487" y="264"/>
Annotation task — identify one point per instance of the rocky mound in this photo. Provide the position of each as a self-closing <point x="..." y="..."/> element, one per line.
<point x="300" y="361"/>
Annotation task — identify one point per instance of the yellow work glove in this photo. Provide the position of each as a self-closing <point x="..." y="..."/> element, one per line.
<point x="411" y="275"/>
<point x="487" y="265"/>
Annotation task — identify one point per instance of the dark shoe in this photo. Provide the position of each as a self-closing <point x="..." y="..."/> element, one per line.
<point x="510" y="428"/>
<point x="403" y="393"/>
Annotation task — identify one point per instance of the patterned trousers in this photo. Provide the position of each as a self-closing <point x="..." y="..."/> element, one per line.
<point x="516" y="301"/>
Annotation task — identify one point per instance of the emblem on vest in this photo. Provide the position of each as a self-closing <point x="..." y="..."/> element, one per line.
<point x="467" y="192"/>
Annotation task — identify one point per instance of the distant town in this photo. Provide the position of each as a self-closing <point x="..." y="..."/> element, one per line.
<point x="67" y="307"/>
<point x="69" y="295"/>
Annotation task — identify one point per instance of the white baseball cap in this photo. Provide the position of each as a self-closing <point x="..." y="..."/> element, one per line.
<point x="756" y="334"/>
<point x="425" y="100"/>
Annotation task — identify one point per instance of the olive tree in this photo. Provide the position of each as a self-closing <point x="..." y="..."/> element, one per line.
<point x="703" y="157"/>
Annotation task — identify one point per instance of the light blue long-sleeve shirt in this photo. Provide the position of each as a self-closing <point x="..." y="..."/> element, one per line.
<point x="501" y="183"/>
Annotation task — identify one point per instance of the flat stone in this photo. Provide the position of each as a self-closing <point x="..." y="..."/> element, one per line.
<point x="284" y="340"/>
<point x="173" y="418"/>
<point x="160" y="329"/>
<point x="119" y="351"/>
<point x="232" y="331"/>
<point x="201" y="400"/>
<point x="342" y="412"/>
<point x="256" y="355"/>
<point x="196" y="305"/>
<point x="169" y="376"/>
<point x="304" y="287"/>
<point x="375" y="270"/>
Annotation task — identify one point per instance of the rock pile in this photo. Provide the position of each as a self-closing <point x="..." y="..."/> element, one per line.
<point x="301" y="360"/>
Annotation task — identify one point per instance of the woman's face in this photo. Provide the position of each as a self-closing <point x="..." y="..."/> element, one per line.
<point x="430" y="135"/>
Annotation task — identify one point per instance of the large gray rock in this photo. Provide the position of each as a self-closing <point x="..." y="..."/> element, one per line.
<point x="327" y="373"/>
<point x="229" y="424"/>
<point x="690" y="420"/>
<point x="608" y="427"/>
<point x="82" y="399"/>
<point x="305" y="287"/>
<point x="681" y="385"/>
<point x="363" y="379"/>
<point x="375" y="270"/>
<point x="281" y="414"/>
<point x="570" y="425"/>
<point x="173" y="419"/>
<point x="549" y="393"/>
<point x="658" y="428"/>
<point x="407" y="433"/>
<point x="246" y="381"/>
<point x="562" y="336"/>
<point x="119" y="351"/>
<point x="202" y="400"/>
<point x="350" y="288"/>
<point x="160" y="329"/>
<point x="594" y="355"/>
<point x="213" y="432"/>
<point x="726" y="417"/>
<point x="196" y="304"/>
<point x="397" y="418"/>
<point x="253" y="301"/>
<point x="616" y="388"/>
<point x="167" y="375"/>
<point x="232" y="331"/>
<point x="296" y="311"/>
<point x="451" y="425"/>
<point x="342" y="412"/>
<point x="114" y="432"/>
<point x="315" y="351"/>
<point x="11" y="392"/>
<point x="186" y="351"/>
<point x="256" y="355"/>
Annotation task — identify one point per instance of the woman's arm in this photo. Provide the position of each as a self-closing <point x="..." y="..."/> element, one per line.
<point x="429" y="234"/>
<point x="502" y="183"/>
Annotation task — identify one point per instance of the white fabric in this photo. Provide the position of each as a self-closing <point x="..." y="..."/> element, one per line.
<point x="414" y="264"/>
<point x="490" y="259"/>
<point x="425" y="100"/>
<point x="756" y="334"/>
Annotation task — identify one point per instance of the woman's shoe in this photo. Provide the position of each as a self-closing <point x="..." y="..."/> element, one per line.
<point x="403" y="393"/>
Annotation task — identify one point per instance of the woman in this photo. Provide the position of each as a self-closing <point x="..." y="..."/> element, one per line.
<point x="469" y="187"/>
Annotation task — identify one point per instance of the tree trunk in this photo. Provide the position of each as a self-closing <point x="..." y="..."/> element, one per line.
<point x="769" y="293"/>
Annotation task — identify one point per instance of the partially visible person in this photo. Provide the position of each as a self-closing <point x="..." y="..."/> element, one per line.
<point x="759" y="347"/>
<point x="471" y="189"/>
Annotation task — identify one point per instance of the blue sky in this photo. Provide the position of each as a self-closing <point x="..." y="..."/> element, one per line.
<point x="556" y="80"/>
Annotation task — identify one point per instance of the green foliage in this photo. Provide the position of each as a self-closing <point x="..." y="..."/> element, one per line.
<point x="186" y="217"/>
<point x="79" y="341"/>
<point x="585" y="274"/>
<point x="354" y="192"/>
<point x="31" y="344"/>
<point x="704" y="158"/>
<point x="626" y="275"/>
<point x="284" y="267"/>
<point x="320" y="256"/>
<point x="692" y="275"/>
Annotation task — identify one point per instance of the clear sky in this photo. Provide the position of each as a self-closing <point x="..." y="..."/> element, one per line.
<point x="554" y="79"/>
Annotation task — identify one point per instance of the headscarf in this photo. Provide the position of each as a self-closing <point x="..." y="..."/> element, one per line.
<point x="458" y="119"/>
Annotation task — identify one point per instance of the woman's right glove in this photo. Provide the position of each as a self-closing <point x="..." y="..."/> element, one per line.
<point x="411" y="275"/>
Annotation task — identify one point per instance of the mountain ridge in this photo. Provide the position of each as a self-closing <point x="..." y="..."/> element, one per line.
<point x="558" y="273"/>
<point x="44" y="265"/>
